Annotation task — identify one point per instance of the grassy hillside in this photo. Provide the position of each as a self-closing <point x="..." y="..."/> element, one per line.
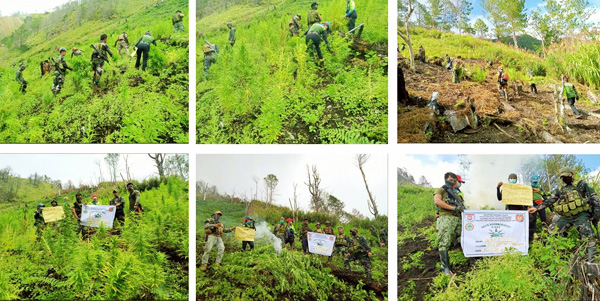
<point x="130" y="106"/>
<point x="268" y="90"/>
<point x="263" y="274"/>
<point x="8" y="25"/>
<point x="147" y="260"/>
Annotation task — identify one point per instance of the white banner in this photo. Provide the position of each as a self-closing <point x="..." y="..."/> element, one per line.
<point x="96" y="215"/>
<point x="493" y="232"/>
<point x="321" y="244"/>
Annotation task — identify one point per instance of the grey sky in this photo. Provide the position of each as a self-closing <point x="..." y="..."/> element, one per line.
<point x="30" y="6"/>
<point x="340" y="177"/>
<point x="79" y="168"/>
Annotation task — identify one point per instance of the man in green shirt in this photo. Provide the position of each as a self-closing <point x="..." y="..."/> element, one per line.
<point x="570" y="93"/>
<point x="143" y="48"/>
<point x="231" y="38"/>
<point x="134" y="199"/>
<point x="317" y="33"/>
<point x="178" y="21"/>
<point x="19" y="78"/>
<point x="449" y="224"/>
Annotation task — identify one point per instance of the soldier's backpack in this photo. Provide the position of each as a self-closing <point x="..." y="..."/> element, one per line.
<point x="289" y="235"/>
<point x="313" y="17"/>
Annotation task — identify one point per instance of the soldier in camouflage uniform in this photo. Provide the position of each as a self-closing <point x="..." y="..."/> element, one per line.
<point x="318" y="228"/>
<point x="375" y="235"/>
<point x="39" y="223"/>
<point x="61" y="71"/>
<point x="177" y="20"/>
<point x="576" y="204"/>
<point x="328" y="229"/>
<point x="360" y="250"/>
<point x="214" y="230"/>
<point x="231" y="37"/>
<point x="143" y="48"/>
<point x="313" y="14"/>
<point x="119" y="202"/>
<point x="122" y="43"/>
<point x="19" y="78"/>
<point x="210" y="53"/>
<point x="341" y="243"/>
<point x="295" y="25"/>
<point x="134" y="199"/>
<point x="279" y="230"/>
<point x="384" y="235"/>
<point x="304" y="235"/>
<point x="99" y="56"/>
<point x="449" y="223"/>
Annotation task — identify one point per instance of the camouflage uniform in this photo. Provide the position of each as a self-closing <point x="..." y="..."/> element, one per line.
<point x="341" y="245"/>
<point x="449" y="224"/>
<point x="279" y="231"/>
<point x="231" y="37"/>
<point x="421" y="54"/>
<point x="134" y="200"/>
<point x="457" y="70"/>
<point x="359" y="249"/>
<point x="98" y="58"/>
<point x="375" y="240"/>
<point x="295" y="26"/>
<point x="214" y="239"/>
<point x="209" y="56"/>
<point x="304" y="237"/>
<point x="576" y="205"/>
<point x="59" y="75"/>
<point x="384" y="235"/>
<point x="19" y="78"/>
<point x="313" y="17"/>
<point x="39" y="223"/>
<point x="177" y="20"/>
<point x="120" y="212"/>
<point x="328" y="229"/>
<point x="122" y="43"/>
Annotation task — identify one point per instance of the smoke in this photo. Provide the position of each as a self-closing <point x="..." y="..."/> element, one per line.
<point x="483" y="177"/>
<point x="263" y="232"/>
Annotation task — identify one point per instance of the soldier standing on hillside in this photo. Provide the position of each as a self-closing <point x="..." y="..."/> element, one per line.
<point x="61" y="71"/>
<point x="449" y="223"/>
<point x="350" y="14"/>
<point x="313" y="15"/>
<point x="328" y="229"/>
<point x="502" y="78"/>
<point x="39" y="223"/>
<point x="119" y="202"/>
<point x="19" y="78"/>
<point x="375" y="235"/>
<point x="318" y="228"/>
<point x="570" y="93"/>
<point x="341" y="243"/>
<point x="279" y="230"/>
<point x="231" y="37"/>
<point x="295" y="25"/>
<point x="99" y="56"/>
<point x="248" y="223"/>
<point x="134" y="199"/>
<point x="576" y="204"/>
<point x="457" y="70"/>
<point x="177" y="20"/>
<point x="360" y="250"/>
<point x="122" y="43"/>
<point x="143" y="48"/>
<point x="421" y="54"/>
<point x="214" y="230"/>
<point x="304" y="235"/>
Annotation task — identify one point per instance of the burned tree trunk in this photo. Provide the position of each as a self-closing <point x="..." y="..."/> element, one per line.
<point x="403" y="97"/>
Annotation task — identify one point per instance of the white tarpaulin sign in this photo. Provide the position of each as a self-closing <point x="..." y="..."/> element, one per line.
<point x="492" y="232"/>
<point x="96" y="215"/>
<point x="321" y="244"/>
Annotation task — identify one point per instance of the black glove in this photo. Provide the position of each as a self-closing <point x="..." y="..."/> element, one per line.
<point x="459" y="208"/>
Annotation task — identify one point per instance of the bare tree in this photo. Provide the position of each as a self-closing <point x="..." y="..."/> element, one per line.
<point x="256" y="180"/>
<point x="159" y="162"/>
<point x="294" y="205"/>
<point x="361" y="160"/>
<point x="126" y="157"/>
<point x="99" y="168"/>
<point x="112" y="160"/>
<point x="316" y="200"/>
<point x="202" y="187"/>
<point x="271" y="182"/>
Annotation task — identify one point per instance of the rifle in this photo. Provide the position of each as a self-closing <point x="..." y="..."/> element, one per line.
<point x="210" y="46"/>
<point x="100" y="54"/>
<point x="453" y="200"/>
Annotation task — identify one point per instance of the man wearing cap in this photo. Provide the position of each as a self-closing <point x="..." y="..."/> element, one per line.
<point x="177" y="20"/>
<point x="122" y="43"/>
<point x="290" y="233"/>
<point x="39" y="223"/>
<point x="231" y="38"/>
<point x="77" y="206"/>
<point x="318" y="228"/>
<point x="576" y="203"/>
<point x="279" y="229"/>
<point x="341" y="243"/>
<point x="449" y="224"/>
<point x="304" y="235"/>
<point x="214" y="230"/>
<point x="19" y="78"/>
<point x="119" y="202"/>
<point x="350" y="14"/>
<point x="295" y="25"/>
<point x="360" y="250"/>
<point x="61" y="71"/>
<point x="134" y="199"/>
<point x="539" y="195"/>
<point x="143" y="48"/>
<point x="248" y="223"/>
<point x="94" y="199"/>
<point x="99" y="56"/>
<point x="313" y="15"/>
<point x="328" y="229"/>
<point x="318" y="32"/>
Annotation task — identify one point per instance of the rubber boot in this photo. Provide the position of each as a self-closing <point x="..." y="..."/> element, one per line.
<point x="445" y="260"/>
<point x="203" y="268"/>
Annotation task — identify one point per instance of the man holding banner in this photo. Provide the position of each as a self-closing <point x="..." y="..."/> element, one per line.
<point x="519" y="197"/>
<point x="39" y="223"/>
<point x="249" y="224"/>
<point x="449" y="223"/>
<point x="576" y="204"/>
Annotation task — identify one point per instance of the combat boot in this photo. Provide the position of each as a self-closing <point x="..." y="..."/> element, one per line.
<point x="445" y="260"/>
<point x="203" y="268"/>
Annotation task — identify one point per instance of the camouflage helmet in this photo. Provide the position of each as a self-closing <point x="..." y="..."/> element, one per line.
<point x="328" y="223"/>
<point x="565" y="172"/>
<point x="61" y="49"/>
<point x="354" y="230"/>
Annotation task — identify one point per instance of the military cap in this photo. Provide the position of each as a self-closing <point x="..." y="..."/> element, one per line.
<point x="565" y="172"/>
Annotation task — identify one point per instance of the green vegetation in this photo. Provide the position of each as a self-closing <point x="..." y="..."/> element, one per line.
<point x="261" y="274"/>
<point x="130" y="106"/>
<point x="149" y="259"/>
<point x="267" y="89"/>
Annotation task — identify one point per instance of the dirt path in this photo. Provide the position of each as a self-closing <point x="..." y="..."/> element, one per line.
<point x="523" y="121"/>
